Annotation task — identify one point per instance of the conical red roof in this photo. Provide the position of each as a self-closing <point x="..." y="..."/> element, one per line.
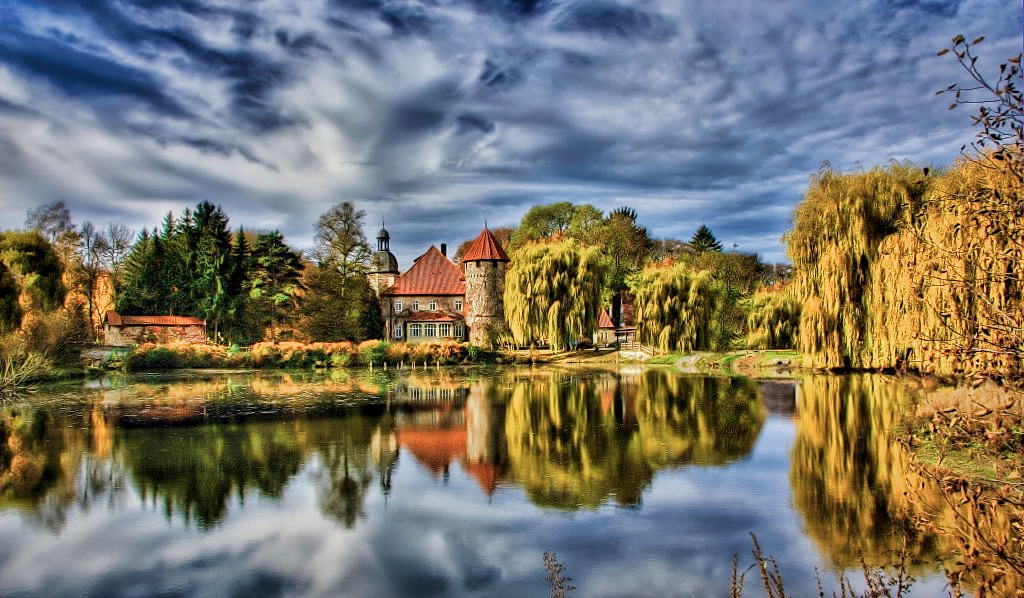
<point x="485" y="247"/>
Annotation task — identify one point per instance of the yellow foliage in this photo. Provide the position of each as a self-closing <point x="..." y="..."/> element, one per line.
<point x="895" y="269"/>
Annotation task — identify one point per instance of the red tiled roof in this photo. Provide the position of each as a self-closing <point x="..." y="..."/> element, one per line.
<point x="115" y="319"/>
<point x="434" y="448"/>
<point x="430" y="316"/>
<point x="431" y="274"/>
<point x="604" y="320"/>
<point x="485" y="247"/>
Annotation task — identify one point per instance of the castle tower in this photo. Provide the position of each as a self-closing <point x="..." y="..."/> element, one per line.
<point x="383" y="264"/>
<point x="484" y="268"/>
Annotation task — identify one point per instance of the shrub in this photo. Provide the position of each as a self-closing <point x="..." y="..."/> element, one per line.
<point x="373" y="352"/>
<point x="153" y="357"/>
<point x="398" y="353"/>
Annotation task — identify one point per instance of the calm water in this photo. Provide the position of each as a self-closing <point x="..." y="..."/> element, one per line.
<point x="448" y="484"/>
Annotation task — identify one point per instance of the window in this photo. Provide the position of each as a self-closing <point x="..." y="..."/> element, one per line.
<point x="429" y="330"/>
<point x="458" y="305"/>
<point x="398" y="331"/>
<point x="414" y="330"/>
<point x="398" y="305"/>
<point x="432" y="306"/>
<point x="415" y="305"/>
<point x="458" y="331"/>
<point x="444" y="330"/>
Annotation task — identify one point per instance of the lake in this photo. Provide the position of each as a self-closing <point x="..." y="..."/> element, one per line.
<point x="452" y="482"/>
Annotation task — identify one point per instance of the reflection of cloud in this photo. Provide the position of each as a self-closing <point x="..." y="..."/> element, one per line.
<point x="420" y="535"/>
<point x="133" y="112"/>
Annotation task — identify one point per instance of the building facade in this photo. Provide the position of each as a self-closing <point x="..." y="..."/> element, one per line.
<point x="436" y="300"/>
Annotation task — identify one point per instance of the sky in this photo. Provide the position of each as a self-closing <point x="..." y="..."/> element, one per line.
<point x="437" y="117"/>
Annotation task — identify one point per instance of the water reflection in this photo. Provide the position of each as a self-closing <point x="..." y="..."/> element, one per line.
<point x="570" y="440"/>
<point x="849" y="476"/>
<point x="576" y="443"/>
<point x="205" y="453"/>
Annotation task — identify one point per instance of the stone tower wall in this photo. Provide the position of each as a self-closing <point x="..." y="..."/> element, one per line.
<point x="380" y="281"/>
<point x="485" y="287"/>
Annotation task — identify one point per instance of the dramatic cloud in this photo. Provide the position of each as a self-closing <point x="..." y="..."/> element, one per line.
<point x="438" y="116"/>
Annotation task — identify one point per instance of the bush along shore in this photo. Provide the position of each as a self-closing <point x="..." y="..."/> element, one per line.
<point x="288" y="354"/>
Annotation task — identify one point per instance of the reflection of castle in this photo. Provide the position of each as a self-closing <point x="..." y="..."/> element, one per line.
<point x="460" y="428"/>
<point x="435" y="299"/>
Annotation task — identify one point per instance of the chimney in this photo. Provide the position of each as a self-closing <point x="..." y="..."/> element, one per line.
<point x="444" y="249"/>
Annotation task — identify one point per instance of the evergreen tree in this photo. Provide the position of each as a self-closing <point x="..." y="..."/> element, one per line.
<point x="274" y="280"/>
<point x="237" y="327"/>
<point x="211" y="255"/>
<point x="703" y="240"/>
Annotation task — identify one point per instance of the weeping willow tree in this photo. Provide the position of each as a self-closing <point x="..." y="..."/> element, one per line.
<point x="950" y="288"/>
<point x="834" y="245"/>
<point x="773" y="319"/>
<point x="553" y="291"/>
<point x="678" y="309"/>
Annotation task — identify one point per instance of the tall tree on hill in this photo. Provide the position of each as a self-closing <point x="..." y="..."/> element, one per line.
<point x="704" y="240"/>
<point x="53" y="222"/>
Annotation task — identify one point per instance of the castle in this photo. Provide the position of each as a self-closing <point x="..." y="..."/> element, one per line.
<point x="435" y="299"/>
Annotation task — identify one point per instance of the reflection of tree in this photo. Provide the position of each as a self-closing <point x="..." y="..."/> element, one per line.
<point x="576" y="442"/>
<point x="42" y="454"/>
<point x="347" y="461"/>
<point x="847" y="472"/>
<point x="29" y="448"/>
<point x="709" y="421"/>
<point x="195" y="469"/>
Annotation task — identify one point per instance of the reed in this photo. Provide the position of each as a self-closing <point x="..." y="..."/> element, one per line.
<point x="17" y="372"/>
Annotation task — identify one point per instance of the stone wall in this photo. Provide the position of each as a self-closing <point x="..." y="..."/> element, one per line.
<point x="122" y="336"/>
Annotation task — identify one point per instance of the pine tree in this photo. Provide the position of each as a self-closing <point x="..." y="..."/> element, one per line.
<point x="703" y="240"/>
<point x="274" y="279"/>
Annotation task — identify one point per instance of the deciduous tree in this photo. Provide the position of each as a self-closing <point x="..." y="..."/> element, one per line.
<point x="552" y="291"/>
